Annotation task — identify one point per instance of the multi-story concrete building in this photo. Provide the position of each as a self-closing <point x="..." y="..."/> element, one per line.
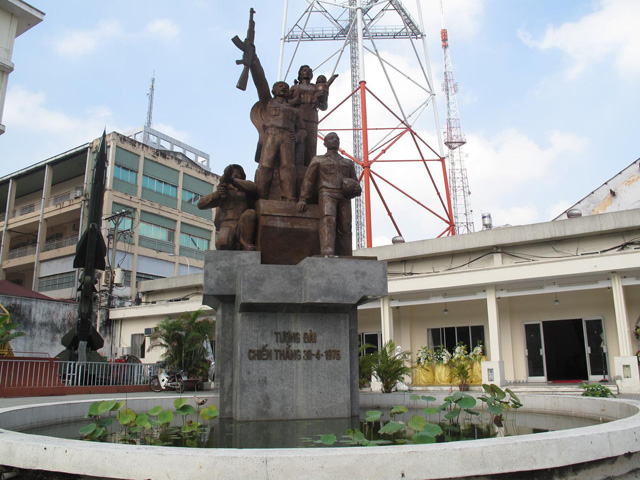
<point x="16" y="17"/>
<point x="149" y="207"/>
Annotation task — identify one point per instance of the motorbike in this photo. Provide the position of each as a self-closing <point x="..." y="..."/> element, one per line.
<point x="167" y="379"/>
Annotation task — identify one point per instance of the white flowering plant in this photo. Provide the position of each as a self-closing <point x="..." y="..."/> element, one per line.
<point x="460" y="351"/>
<point x="441" y="356"/>
<point x="477" y="353"/>
<point x="424" y="356"/>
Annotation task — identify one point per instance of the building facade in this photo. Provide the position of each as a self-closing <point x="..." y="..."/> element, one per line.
<point x="551" y="302"/>
<point x="16" y="17"/>
<point x="149" y="214"/>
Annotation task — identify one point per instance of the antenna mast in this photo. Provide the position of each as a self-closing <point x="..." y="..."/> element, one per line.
<point x="454" y="140"/>
<point x="152" y="89"/>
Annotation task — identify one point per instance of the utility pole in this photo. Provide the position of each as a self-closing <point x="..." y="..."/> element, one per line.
<point x="116" y="218"/>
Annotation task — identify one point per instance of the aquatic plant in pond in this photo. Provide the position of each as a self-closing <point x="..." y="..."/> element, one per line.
<point x="596" y="390"/>
<point x="457" y="420"/>
<point x="459" y="417"/>
<point x="151" y="428"/>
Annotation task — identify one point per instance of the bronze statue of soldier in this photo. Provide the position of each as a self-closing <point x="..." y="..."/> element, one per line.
<point x="308" y="98"/>
<point x="281" y="128"/>
<point x="235" y="217"/>
<point x="334" y="178"/>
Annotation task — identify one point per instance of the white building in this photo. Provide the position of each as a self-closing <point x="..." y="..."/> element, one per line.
<point x="16" y="17"/>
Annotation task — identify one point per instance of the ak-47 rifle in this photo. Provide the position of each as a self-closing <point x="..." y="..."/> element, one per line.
<point x="248" y="51"/>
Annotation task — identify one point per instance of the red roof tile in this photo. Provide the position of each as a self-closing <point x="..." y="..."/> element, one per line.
<point x="11" y="289"/>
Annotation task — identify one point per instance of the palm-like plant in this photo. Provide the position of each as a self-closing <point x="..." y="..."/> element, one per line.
<point x="365" y="364"/>
<point x="390" y="366"/>
<point x="183" y="339"/>
<point x="6" y="335"/>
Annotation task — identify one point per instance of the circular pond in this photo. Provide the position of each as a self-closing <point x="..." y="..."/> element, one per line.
<point x="610" y="447"/>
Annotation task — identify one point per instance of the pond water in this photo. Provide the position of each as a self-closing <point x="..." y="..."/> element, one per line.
<point x="223" y="433"/>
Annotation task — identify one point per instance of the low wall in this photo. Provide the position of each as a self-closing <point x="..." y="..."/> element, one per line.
<point x="594" y="452"/>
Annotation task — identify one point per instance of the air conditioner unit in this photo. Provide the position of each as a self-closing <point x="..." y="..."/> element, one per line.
<point x="77" y="194"/>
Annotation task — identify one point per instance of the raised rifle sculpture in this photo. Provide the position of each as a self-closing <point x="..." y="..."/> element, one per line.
<point x="248" y="51"/>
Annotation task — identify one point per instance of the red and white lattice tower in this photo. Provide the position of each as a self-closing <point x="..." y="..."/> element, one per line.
<point x="454" y="140"/>
<point x="363" y="26"/>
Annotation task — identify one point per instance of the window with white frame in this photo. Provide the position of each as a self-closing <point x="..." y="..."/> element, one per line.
<point x="159" y="186"/>
<point x="125" y="174"/>
<point x="156" y="232"/>
<point x="193" y="241"/>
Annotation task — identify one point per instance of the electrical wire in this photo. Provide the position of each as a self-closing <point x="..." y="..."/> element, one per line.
<point x="521" y="255"/>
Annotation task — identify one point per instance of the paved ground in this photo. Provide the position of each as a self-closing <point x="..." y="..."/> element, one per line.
<point x="11" y="402"/>
<point x="18" y="401"/>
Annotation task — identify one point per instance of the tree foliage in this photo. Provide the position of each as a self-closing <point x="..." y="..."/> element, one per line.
<point x="183" y="339"/>
<point x="390" y="366"/>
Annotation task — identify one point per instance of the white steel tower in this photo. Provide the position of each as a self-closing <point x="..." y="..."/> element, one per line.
<point x="454" y="140"/>
<point x="354" y="23"/>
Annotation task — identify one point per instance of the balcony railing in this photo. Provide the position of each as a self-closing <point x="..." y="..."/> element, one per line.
<point x="60" y="198"/>
<point x="60" y="242"/>
<point x="25" y="210"/>
<point x="22" y="252"/>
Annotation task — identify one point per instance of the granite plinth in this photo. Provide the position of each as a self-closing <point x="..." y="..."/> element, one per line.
<point x="286" y="336"/>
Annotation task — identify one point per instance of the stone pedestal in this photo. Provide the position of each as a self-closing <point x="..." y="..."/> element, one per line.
<point x="287" y="336"/>
<point x="627" y="374"/>
<point x="493" y="372"/>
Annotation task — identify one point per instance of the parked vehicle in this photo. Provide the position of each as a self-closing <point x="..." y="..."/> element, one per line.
<point x="168" y="379"/>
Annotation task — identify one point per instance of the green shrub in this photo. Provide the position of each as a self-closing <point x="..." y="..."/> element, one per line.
<point x="389" y="366"/>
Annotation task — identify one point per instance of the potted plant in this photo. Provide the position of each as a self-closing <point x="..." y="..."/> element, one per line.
<point x="424" y="367"/>
<point x="460" y="366"/>
<point x="475" y="356"/>
<point x="389" y="366"/>
<point x="442" y="370"/>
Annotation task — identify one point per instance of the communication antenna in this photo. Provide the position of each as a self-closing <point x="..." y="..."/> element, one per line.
<point x="359" y="25"/>
<point x="152" y="89"/>
<point x="454" y="139"/>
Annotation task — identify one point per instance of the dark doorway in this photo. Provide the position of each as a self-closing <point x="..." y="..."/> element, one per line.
<point x="564" y="349"/>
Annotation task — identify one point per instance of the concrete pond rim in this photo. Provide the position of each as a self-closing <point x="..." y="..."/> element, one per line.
<point x="617" y="441"/>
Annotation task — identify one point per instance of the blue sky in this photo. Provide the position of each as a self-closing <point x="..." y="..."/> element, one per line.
<point x="547" y="90"/>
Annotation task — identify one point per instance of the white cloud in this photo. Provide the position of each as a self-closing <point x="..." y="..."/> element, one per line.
<point x="78" y="43"/>
<point x="557" y="208"/>
<point x="181" y="135"/>
<point x="609" y="33"/>
<point x="511" y="159"/>
<point x="55" y="130"/>
<point x="163" y="28"/>
<point x="510" y="174"/>
<point x="462" y="18"/>
<point x="84" y="42"/>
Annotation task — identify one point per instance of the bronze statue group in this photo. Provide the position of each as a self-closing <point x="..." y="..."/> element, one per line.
<point x="287" y="122"/>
